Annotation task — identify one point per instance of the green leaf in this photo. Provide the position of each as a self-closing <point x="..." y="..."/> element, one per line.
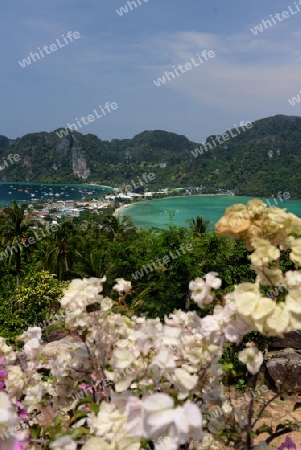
<point x="264" y="429"/>
<point x="79" y="432"/>
<point x="287" y="423"/>
<point x="35" y="431"/>
<point x="95" y="408"/>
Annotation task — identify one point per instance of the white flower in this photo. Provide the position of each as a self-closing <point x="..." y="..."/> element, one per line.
<point x="33" y="397"/>
<point x="210" y="325"/>
<point x="31" y="348"/>
<point x="188" y="422"/>
<point x="235" y="330"/>
<point x="164" y="360"/>
<point x="63" y="443"/>
<point x="252" y="307"/>
<point x="293" y="278"/>
<point x="293" y="302"/>
<point x="59" y="367"/>
<point x="278" y="321"/>
<point x="183" y="381"/>
<point x="200" y="292"/>
<point x="122" y="358"/>
<point x="122" y="285"/>
<point x="15" y="380"/>
<point x="135" y="417"/>
<point x="106" y="304"/>
<point x="7" y="415"/>
<point x="159" y="415"/>
<point x="103" y="423"/>
<point x="295" y="254"/>
<point x="201" y="289"/>
<point x="33" y="333"/>
<point x="81" y="293"/>
<point x="264" y="252"/>
<point x="171" y="335"/>
<point x="212" y="281"/>
<point x="252" y="357"/>
<point x="98" y="443"/>
<point x="162" y="421"/>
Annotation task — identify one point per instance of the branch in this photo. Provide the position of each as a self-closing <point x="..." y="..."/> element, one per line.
<point x="280" y="433"/>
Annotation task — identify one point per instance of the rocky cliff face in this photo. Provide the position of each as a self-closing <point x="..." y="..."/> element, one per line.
<point x="79" y="164"/>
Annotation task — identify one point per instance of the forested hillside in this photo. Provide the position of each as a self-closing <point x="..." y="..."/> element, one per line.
<point x="261" y="160"/>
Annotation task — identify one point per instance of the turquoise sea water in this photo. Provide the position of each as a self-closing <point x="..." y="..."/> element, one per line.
<point x="155" y="212"/>
<point x="28" y="192"/>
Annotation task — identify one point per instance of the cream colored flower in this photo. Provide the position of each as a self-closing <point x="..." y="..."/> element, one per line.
<point x="122" y="358"/>
<point x="293" y="301"/>
<point x="184" y="381"/>
<point x="235" y="221"/>
<point x="200" y="292"/>
<point x="122" y="285"/>
<point x="15" y="380"/>
<point x="7" y="414"/>
<point x="106" y="304"/>
<point x="33" y="397"/>
<point x="295" y="254"/>
<point x="264" y="252"/>
<point x="251" y="306"/>
<point x="252" y="357"/>
<point x="293" y="279"/>
<point x="63" y="443"/>
<point x="95" y="443"/>
<point x="278" y="322"/>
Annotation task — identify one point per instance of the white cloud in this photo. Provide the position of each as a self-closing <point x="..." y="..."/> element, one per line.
<point x="245" y="70"/>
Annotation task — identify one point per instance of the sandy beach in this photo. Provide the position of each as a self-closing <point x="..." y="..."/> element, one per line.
<point x="124" y="207"/>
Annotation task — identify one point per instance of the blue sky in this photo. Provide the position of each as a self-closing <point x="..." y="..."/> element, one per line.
<point x="117" y="58"/>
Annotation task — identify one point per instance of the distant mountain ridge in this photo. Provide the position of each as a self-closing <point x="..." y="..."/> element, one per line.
<point x="261" y="161"/>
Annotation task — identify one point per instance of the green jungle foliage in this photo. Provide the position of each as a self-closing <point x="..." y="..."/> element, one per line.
<point x="32" y="283"/>
<point x="241" y="164"/>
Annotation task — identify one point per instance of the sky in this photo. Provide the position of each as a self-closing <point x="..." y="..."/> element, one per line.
<point x="116" y="58"/>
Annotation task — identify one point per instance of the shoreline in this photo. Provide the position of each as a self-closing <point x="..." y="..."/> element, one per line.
<point x="165" y="198"/>
<point x="55" y="184"/>
<point x="194" y="195"/>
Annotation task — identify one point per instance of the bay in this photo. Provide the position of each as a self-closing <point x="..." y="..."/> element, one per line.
<point x="31" y="192"/>
<point x="156" y="213"/>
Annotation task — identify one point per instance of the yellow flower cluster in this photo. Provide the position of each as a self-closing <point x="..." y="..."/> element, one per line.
<point x="258" y="220"/>
<point x="268" y="232"/>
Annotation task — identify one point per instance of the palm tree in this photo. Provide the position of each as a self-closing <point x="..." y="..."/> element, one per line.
<point x="199" y="226"/>
<point x="116" y="228"/>
<point x="13" y="226"/>
<point x="61" y="253"/>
